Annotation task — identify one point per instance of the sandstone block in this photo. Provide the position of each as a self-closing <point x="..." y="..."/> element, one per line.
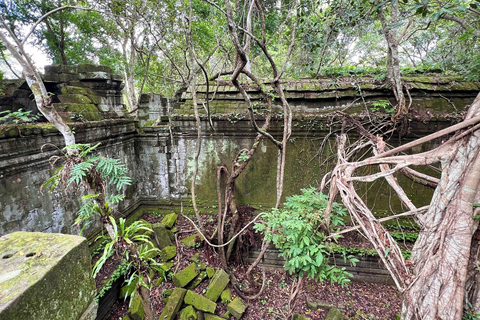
<point x="236" y="308"/>
<point x="173" y="304"/>
<point x="218" y="283"/>
<point x="199" y="302"/>
<point x="183" y="277"/>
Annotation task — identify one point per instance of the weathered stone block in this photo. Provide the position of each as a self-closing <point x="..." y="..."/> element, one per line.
<point x="202" y="276"/>
<point x="88" y="112"/>
<point x="169" y="220"/>
<point x="136" y="312"/>
<point x="226" y="296"/>
<point x="96" y="75"/>
<point x="44" y="276"/>
<point x="193" y="240"/>
<point x="173" y="304"/>
<point x="168" y="253"/>
<point x="218" y="283"/>
<point x="209" y="316"/>
<point x="199" y="302"/>
<point x="183" y="277"/>
<point x="334" y="314"/>
<point x="162" y="235"/>
<point x="236" y="308"/>
<point x="210" y="272"/>
<point x="86" y="67"/>
<point x="188" y="313"/>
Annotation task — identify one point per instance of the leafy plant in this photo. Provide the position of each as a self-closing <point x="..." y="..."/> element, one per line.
<point x="18" y="116"/>
<point x="300" y="231"/>
<point x="133" y="244"/>
<point x="97" y="173"/>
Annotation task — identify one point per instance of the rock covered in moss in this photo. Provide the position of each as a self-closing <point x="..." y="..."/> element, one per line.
<point x="173" y="304"/>
<point x="136" y="311"/>
<point x="169" y="220"/>
<point x="193" y="240"/>
<point x="188" y="313"/>
<point x="199" y="302"/>
<point x="218" y="283"/>
<point x="162" y="235"/>
<point x="168" y="253"/>
<point x="209" y="316"/>
<point x="334" y="314"/>
<point x="45" y="276"/>
<point x="236" y="308"/>
<point x="202" y="276"/>
<point x="226" y="296"/>
<point x="210" y="272"/>
<point x="183" y="277"/>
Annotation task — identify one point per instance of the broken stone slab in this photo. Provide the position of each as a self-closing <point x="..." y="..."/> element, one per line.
<point x="185" y="276"/>
<point x="202" y="276"/>
<point x="193" y="240"/>
<point x="199" y="302"/>
<point x="136" y="311"/>
<point x="188" y="313"/>
<point x="45" y="276"/>
<point x="236" y="308"/>
<point x="334" y="314"/>
<point x="168" y="253"/>
<point x="173" y="304"/>
<point x="210" y="272"/>
<point x="169" y="220"/>
<point x="218" y="283"/>
<point x="209" y="316"/>
<point x="226" y="296"/>
<point x="162" y="235"/>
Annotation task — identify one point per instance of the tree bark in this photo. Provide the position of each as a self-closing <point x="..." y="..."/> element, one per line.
<point x="441" y="254"/>
<point x="35" y="82"/>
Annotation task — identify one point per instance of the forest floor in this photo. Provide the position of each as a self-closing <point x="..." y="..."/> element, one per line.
<point x="356" y="300"/>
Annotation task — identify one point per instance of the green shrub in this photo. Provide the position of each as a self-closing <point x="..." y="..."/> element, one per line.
<point x="300" y="231"/>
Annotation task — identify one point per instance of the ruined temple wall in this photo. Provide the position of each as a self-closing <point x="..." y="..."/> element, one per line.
<point x="161" y="158"/>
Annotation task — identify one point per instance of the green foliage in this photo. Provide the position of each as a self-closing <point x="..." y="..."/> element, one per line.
<point x="404" y="236"/>
<point x="97" y="173"/>
<point x="133" y="244"/>
<point x="384" y="104"/>
<point x="300" y="230"/>
<point x="18" y="116"/>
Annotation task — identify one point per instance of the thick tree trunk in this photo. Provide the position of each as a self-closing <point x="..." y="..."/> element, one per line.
<point x="442" y="252"/>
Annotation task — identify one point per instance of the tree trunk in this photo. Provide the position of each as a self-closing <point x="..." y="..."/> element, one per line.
<point x="442" y="252"/>
<point x="35" y="82"/>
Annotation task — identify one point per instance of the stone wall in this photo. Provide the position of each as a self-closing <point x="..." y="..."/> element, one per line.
<point x="160" y="155"/>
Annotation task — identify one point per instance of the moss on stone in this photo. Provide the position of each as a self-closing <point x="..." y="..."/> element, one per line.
<point x="168" y="253"/>
<point x="74" y="98"/>
<point x="54" y="267"/>
<point x="193" y="240"/>
<point x="210" y="272"/>
<point x="236" y="308"/>
<point x="169" y="220"/>
<point x="334" y="314"/>
<point x="199" y="302"/>
<point x="71" y="111"/>
<point x="218" y="283"/>
<point x="188" y="313"/>
<point x="136" y="311"/>
<point x="209" y="316"/>
<point x="183" y="277"/>
<point x="202" y="276"/>
<point x="173" y="304"/>
<point x="226" y="296"/>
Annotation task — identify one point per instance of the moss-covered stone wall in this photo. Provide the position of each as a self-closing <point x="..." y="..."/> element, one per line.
<point x="161" y="158"/>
